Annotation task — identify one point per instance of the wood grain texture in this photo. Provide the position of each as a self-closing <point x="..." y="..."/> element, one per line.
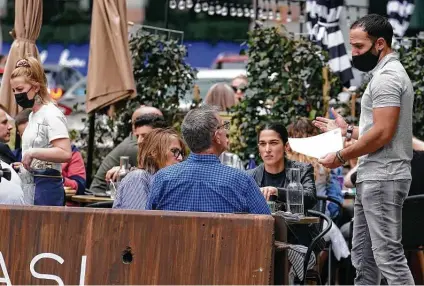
<point x="167" y="247"/>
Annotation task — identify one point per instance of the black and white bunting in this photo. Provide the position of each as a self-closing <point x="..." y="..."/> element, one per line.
<point x="323" y="28"/>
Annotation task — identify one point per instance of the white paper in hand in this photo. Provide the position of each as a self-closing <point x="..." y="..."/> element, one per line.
<point x="320" y="145"/>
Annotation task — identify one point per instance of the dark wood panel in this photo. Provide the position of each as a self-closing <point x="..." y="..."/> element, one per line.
<point x="162" y="247"/>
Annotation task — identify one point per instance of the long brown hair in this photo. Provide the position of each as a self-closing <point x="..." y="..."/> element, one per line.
<point x="304" y="128"/>
<point x="221" y="95"/>
<point x="152" y="152"/>
<point x="31" y="69"/>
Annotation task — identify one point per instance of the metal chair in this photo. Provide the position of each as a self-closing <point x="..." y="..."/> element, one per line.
<point x="308" y="275"/>
<point x="322" y="203"/>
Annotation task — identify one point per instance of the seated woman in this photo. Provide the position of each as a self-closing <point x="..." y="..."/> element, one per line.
<point x="159" y="149"/>
<point x="326" y="181"/>
<point x="221" y="95"/>
<point x="270" y="175"/>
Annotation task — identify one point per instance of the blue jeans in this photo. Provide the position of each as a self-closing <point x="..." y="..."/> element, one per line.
<point x="377" y="233"/>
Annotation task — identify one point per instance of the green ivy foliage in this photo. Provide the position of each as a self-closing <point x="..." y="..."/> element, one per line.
<point x="413" y="62"/>
<point x="162" y="78"/>
<point x="286" y="82"/>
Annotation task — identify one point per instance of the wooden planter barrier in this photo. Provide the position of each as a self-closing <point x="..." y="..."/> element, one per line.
<point x="83" y="246"/>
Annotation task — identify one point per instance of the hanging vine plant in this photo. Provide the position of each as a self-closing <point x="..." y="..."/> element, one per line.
<point x="286" y="82"/>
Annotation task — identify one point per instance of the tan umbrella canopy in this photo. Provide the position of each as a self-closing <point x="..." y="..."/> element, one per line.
<point x="28" y="20"/>
<point x="110" y="76"/>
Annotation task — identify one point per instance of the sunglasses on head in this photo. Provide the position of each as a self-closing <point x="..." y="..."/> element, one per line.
<point x="239" y="89"/>
<point x="177" y="153"/>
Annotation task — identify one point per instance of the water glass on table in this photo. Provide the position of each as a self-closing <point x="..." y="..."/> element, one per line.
<point x="227" y="159"/>
<point x="295" y="194"/>
<point x="112" y="189"/>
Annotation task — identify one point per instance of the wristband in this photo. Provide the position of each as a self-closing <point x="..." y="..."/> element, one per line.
<point x="340" y="158"/>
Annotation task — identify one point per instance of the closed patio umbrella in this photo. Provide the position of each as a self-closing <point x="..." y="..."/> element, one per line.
<point x="28" y="20"/>
<point x="399" y="13"/>
<point x="323" y="28"/>
<point x="110" y="76"/>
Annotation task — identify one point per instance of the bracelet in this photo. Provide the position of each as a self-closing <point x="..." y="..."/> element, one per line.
<point x="339" y="156"/>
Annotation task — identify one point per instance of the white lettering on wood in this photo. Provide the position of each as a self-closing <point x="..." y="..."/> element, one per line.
<point x="46" y="276"/>
<point x="83" y="267"/>
<point x="6" y="278"/>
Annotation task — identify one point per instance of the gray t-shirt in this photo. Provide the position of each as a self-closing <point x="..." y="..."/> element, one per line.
<point x="389" y="86"/>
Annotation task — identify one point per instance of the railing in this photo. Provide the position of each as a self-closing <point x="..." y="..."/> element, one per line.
<point x="169" y="33"/>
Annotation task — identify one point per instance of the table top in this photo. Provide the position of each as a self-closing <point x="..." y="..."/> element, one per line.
<point x="90" y="199"/>
<point x="303" y="220"/>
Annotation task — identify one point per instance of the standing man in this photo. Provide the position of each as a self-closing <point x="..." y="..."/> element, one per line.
<point x="385" y="150"/>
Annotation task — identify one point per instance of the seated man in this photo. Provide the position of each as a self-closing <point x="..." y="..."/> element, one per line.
<point x="11" y="191"/>
<point x="5" y="153"/>
<point x="143" y="125"/>
<point x="128" y="147"/>
<point x="201" y="183"/>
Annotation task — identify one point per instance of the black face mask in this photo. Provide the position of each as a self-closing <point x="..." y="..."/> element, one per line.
<point x="367" y="61"/>
<point x="23" y="101"/>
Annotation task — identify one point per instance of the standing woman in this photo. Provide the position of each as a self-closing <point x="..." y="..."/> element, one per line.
<point x="45" y="142"/>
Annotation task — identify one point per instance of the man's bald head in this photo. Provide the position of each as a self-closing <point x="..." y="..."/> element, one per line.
<point x="142" y="110"/>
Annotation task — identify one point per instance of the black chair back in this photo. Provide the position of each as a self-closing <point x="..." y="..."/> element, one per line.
<point x="412" y="222"/>
<point x="315" y="241"/>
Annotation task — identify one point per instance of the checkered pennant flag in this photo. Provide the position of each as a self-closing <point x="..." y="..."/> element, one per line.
<point x="323" y="28"/>
<point x="400" y="12"/>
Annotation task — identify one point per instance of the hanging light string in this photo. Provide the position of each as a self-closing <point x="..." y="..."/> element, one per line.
<point x="267" y="9"/>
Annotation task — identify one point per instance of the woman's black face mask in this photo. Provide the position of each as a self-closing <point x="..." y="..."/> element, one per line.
<point x="23" y="101"/>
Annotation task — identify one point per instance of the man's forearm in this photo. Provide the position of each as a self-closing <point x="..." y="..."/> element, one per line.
<point x="370" y="142"/>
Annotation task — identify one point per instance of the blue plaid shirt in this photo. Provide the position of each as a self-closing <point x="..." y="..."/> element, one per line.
<point x="202" y="184"/>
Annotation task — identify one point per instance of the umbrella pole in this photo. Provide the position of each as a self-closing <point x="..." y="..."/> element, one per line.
<point x="90" y="151"/>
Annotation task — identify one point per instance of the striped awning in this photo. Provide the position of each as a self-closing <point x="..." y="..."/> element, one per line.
<point x="399" y="13"/>
<point x="323" y="28"/>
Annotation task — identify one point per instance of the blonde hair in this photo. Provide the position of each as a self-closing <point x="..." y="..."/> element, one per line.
<point x="304" y="128"/>
<point x="152" y="152"/>
<point x="30" y="68"/>
<point x="221" y="95"/>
